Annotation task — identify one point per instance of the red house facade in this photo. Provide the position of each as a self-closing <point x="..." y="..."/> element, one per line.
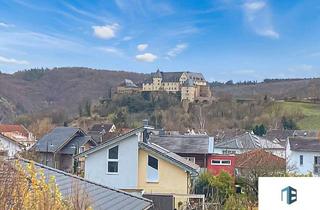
<point x="218" y="162"/>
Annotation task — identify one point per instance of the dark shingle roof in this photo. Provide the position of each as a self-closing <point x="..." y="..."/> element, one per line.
<point x="197" y="144"/>
<point x="279" y="134"/>
<point x="101" y="127"/>
<point x="101" y="197"/>
<point x="59" y="136"/>
<point x="75" y="143"/>
<point x="304" y="144"/>
<point x="171" y="157"/>
<point x="166" y="76"/>
<point x="248" y="141"/>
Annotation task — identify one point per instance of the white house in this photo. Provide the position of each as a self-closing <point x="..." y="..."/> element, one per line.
<point x="9" y="147"/>
<point x="248" y="142"/>
<point x="131" y="162"/>
<point x="303" y="155"/>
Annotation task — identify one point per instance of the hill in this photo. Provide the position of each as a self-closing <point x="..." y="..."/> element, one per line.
<point x="64" y="89"/>
<point x="279" y="89"/>
<point x="310" y="114"/>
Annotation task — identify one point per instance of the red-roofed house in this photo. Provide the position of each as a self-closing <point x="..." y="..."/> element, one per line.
<point x="18" y="133"/>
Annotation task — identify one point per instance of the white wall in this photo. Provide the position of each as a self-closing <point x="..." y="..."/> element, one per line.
<point x="277" y="152"/>
<point x="9" y="146"/>
<point x="293" y="161"/>
<point x="127" y="177"/>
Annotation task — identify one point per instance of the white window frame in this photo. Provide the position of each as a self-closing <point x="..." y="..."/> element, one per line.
<point x="147" y="176"/>
<point x="220" y="162"/>
<point x="112" y="160"/>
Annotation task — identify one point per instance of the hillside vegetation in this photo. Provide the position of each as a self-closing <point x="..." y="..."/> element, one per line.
<point x="310" y="119"/>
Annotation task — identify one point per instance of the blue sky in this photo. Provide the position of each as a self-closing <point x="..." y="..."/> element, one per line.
<point x="223" y="39"/>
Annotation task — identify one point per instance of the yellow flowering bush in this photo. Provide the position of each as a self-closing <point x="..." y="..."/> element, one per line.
<point x="25" y="188"/>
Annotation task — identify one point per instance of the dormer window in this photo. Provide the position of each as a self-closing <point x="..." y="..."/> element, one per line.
<point x="113" y="161"/>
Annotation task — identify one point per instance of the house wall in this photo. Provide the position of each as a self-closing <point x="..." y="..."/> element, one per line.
<point x="172" y="179"/>
<point x="200" y="159"/>
<point x="216" y="169"/>
<point x="293" y="161"/>
<point x="126" y="178"/>
<point x="277" y="152"/>
<point x="9" y="146"/>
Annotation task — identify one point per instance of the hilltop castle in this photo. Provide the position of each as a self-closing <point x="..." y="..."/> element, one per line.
<point x="192" y="86"/>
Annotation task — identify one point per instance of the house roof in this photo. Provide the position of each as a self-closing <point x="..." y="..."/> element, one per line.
<point x="57" y="138"/>
<point x="111" y="141"/>
<point x="102" y="126"/>
<point x="196" y="144"/>
<point x="195" y="76"/>
<point x="11" y="140"/>
<point x="226" y="134"/>
<point x="279" y="134"/>
<point x="304" y="144"/>
<point x="170" y="156"/>
<point x="100" y="196"/>
<point x="14" y="128"/>
<point x="75" y="143"/>
<point x="248" y="141"/>
<point x="257" y="158"/>
<point x="306" y="133"/>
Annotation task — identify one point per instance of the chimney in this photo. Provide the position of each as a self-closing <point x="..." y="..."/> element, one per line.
<point x="145" y="123"/>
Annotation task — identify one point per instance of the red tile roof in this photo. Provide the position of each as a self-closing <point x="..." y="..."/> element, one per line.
<point x="4" y="128"/>
<point x="257" y="158"/>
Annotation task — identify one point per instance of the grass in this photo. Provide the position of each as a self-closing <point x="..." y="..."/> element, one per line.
<point x="310" y="112"/>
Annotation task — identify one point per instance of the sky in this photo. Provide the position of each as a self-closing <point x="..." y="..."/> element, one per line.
<point x="223" y="39"/>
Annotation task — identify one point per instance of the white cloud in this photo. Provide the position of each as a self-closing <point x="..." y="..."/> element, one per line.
<point x="13" y="61"/>
<point x="5" y="25"/>
<point x="106" y="32"/>
<point x="146" y="57"/>
<point x="179" y="48"/>
<point x="259" y="18"/>
<point x="269" y="32"/>
<point x="142" y="47"/>
<point x="254" y="6"/>
<point x="127" y="38"/>
<point x="111" y="50"/>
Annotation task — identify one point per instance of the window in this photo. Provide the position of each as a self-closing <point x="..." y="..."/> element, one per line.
<point x="221" y="162"/>
<point x="152" y="169"/>
<point x="191" y="159"/>
<point x="301" y="159"/>
<point x="316" y="160"/>
<point x="113" y="160"/>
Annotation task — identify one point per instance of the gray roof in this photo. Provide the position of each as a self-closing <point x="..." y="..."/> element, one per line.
<point x="101" y="197"/>
<point x="76" y="143"/>
<point x="195" y="76"/>
<point x="192" y="144"/>
<point x="171" y="157"/>
<point x="166" y="76"/>
<point x="306" y="133"/>
<point x="57" y="138"/>
<point x="304" y="144"/>
<point x="279" y="134"/>
<point x="102" y="126"/>
<point x="248" y="141"/>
